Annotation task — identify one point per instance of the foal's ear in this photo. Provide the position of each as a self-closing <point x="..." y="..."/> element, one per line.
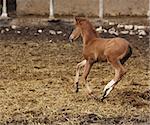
<point x="79" y="20"/>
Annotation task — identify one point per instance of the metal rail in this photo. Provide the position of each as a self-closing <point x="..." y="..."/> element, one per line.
<point x="4" y="10"/>
<point x="101" y="8"/>
<point x="51" y="9"/>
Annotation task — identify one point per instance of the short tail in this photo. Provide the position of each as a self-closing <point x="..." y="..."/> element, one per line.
<point x="126" y="57"/>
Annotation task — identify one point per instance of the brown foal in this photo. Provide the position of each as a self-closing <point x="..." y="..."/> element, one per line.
<point x="115" y="50"/>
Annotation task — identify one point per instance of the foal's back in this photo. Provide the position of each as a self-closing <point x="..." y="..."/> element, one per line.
<point x="100" y="49"/>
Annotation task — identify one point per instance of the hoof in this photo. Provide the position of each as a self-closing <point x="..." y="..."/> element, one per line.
<point x="77" y="90"/>
<point x="102" y="99"/>
<point x="77" y="87"/>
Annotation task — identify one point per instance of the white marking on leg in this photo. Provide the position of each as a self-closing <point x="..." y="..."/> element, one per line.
<point x="88" y="87"/>
<point x="77" y="76"/>
<point x="108" y="91"/>
<point x="109" y="85"/>
<point x="77" y="70"/>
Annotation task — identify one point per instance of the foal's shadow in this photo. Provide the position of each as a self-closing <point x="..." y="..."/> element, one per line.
<point x="95" y="97"/>
<point x="91" y="118"/>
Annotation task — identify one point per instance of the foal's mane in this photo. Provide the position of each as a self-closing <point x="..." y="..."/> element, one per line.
<point x="90" y="26"/>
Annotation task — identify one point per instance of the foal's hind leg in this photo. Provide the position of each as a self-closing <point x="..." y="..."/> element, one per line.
<point x="79" y="65"/>
<point x="119" y="72"/>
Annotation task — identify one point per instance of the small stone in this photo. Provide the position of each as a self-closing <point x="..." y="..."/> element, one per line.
<point x="40" y="31"/>
<point x="111" y="23"/>
<point x="132" y="32"/>
<point x="59" y="32"/>
<point x="113" y="31"/>
<point x="105" y="31"/>
<point x="18" y="32"/>
<point x="7" y="29"/>
<point x="141" y="32"/>
<point x="136" y="27"/>
<point x="2" y="31"/>
<point x="124" y="32"/>
<point x="120" y="26"/>
<point x="50" y="41"/>
<point x="128" y="27"/>
<point x="52" y="32"/>
<point x="116" y="33"/>
<point x="100" y="29"/>
<point x="140" y="37"/>
<point x="141" y="27"/>
<point x="13" y="26"/>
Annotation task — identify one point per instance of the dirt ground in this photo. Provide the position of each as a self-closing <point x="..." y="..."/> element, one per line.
<point x="37" y="72"/>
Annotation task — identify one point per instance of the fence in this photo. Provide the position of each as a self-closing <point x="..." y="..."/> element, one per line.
<point x="96" y="8"/>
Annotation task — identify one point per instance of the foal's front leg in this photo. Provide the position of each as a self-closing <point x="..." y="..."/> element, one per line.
<point x="79" y="65"/>
<point x="87" y="68"/>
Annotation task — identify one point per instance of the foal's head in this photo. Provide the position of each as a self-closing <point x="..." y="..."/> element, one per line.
<point x="77" y="31"/>
<point x="81" y="24"/>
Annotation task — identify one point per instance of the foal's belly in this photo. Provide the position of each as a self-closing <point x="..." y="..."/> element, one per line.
<point x="101" y="59"/>
<point x="94" y="56"/>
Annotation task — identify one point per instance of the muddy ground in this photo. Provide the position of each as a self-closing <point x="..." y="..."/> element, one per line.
<point x="37" y="72"/>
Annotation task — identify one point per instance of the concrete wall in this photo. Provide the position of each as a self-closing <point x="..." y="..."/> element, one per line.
<point x="77" y="7"/>
<point x="84" y="7"/>
<point x="37" y="7"/>
<point x="126" y="7"/>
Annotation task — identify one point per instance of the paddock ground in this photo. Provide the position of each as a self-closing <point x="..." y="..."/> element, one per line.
<point x="37" y="81"/>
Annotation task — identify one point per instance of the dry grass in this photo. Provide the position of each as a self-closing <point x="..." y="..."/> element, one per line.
<point x="37" y="81"/>
<point x="36" y="87"/>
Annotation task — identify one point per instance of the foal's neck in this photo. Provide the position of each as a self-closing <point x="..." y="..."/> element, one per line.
<point x="88" y="35"/>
